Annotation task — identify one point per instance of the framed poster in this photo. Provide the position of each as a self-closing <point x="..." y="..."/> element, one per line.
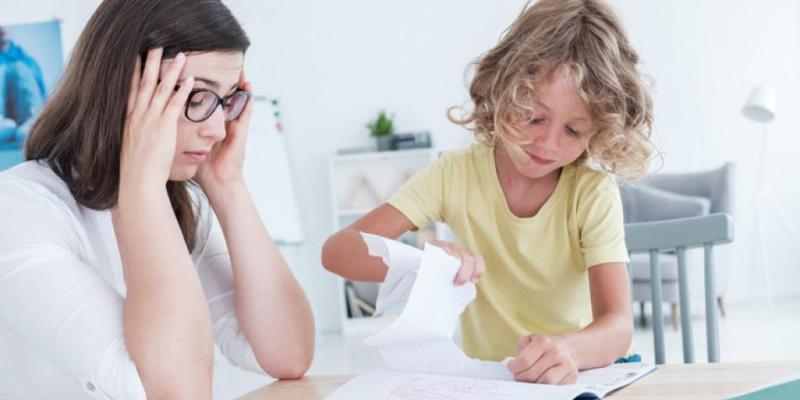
<point x="31" y="61"/>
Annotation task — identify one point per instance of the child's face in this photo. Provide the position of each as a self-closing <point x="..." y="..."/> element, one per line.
<point x="558" y="132"/>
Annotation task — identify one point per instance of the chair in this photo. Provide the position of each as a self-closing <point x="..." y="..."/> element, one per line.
<point x="679" y="235"/>
<point x="673" y="196"/>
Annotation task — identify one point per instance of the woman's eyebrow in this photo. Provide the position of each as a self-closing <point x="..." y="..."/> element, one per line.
<point x="214" y="84"/>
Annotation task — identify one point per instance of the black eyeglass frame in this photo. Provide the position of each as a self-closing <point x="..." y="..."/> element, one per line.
<point x="217" y="102"/>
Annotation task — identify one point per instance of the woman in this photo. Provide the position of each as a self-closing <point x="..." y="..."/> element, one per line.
<point x="111" y="278"/>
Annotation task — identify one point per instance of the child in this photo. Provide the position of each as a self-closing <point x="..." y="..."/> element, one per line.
<point x="559" y="93"/>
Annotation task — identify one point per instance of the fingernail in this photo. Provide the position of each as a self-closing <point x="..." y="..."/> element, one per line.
<point x="180" y="56"/>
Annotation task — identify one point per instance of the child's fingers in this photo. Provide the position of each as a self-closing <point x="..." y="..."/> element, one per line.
<point x="149" y="77"/>
<point x="465" y="272"/>
<point x="133" y="93"/>
<point x="525" y="359"/>
<point x="523" y="342"/>
<point x="480" y="268"/>
<point x="553" y="375"/>
<point x="539" y="366"/>
<point x="179" y="99"/>
<point x="166" y="88"/>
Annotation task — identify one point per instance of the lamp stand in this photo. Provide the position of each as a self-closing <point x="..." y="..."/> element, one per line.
<point x="765" y="197"/>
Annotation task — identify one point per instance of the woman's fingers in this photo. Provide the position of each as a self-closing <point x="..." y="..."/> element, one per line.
<point x="134" y="89"/>
<point x="166" y="88"/>
<point x="179" y="99"/>
<point x="149" y="78"/>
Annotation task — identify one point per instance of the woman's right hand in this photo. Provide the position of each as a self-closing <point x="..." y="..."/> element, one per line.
<point x="151" y="121"/>
<point x="472" y="265"/>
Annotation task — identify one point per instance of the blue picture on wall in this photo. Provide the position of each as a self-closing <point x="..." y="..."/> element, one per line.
<point x="31" y="61"/>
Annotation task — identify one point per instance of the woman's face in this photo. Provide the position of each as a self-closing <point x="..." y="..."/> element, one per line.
<point x="558" y="132"/>
<point x="218" y="72"/>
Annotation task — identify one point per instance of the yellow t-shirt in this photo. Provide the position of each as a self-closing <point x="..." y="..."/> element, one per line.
<point x="536" y="278"/>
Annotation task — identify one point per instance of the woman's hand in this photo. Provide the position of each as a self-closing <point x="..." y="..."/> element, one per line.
<point x="543" y="359"/>
<point x="151" y="121"/>
<point x="225" y="163"/>
<point x="472" y="266"/>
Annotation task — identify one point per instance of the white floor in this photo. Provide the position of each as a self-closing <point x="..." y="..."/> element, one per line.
<point x="747" y="333"/>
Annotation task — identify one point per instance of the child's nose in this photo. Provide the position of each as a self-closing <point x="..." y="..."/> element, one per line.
<point x="549" y="139"/>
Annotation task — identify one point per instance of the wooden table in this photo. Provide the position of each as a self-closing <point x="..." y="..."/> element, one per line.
<point x="668" y="382"/>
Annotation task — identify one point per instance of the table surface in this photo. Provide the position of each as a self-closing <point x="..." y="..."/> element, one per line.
<point x="668" y="382"/>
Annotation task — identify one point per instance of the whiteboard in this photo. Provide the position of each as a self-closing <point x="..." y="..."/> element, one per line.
<point x="268" y="175"/>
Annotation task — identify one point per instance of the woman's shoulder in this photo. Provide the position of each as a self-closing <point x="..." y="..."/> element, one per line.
<point x="33" y="182"/>
<point x="36" y="207"/>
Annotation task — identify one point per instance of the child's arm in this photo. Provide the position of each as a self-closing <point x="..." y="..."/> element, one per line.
<point x="557" y="359"/>
<point x="345" y="252"/>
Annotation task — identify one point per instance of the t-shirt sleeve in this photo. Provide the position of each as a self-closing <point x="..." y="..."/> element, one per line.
<point x="601" y="225"/>
<point x="421" y="199"/>
<point x="215" y="271"/>
<point x="56" y="301"/>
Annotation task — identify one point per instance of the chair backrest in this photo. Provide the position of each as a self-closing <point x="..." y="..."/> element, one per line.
<point x="715" y="185"/>
<point x="679" y="235"/>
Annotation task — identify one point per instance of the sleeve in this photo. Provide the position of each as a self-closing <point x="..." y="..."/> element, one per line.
<point x="216" y="275"/>
<point x="600" y="224"/>
<point x="57" y="302"/>
<point x="421" y="199"/>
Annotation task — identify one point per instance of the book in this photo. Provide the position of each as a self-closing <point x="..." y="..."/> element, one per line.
<point x="385" y="385"/>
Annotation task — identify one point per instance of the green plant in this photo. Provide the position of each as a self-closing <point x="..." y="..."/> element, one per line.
<point x="383" y="125"/>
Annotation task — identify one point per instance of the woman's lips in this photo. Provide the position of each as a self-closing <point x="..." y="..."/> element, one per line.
<point x="196" y="156"/>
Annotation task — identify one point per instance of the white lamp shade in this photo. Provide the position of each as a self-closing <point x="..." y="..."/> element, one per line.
<point x="761" y="104"/>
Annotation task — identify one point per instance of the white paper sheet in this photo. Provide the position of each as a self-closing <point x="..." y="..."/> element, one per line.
<point x="420" y="340"/>
<point x="385" y="385"/>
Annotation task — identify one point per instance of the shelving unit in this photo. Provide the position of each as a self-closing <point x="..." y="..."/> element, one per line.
<point x="359" y="183"/>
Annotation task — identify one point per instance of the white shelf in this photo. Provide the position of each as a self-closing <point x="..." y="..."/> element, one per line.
<point x="353" y="212"/>
<point x="358" y="183"/>
<point x="382" y="155"/>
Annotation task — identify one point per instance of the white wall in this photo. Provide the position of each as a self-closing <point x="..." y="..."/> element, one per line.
<point x="334" y="64"/>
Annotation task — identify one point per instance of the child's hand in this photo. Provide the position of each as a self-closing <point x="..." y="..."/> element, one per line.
<point x="472" y="266"/>
<point x="543" y="359"/>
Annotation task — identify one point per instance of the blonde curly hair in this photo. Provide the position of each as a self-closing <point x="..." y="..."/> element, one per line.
<point x="587" y="38"/>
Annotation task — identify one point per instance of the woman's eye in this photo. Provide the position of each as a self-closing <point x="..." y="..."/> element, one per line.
<point x="572" y="132"/>
<point x="195" y="103"/>
<point x="536" y="121"/>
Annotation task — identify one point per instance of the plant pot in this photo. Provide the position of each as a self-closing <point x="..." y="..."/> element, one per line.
<point x="384" y="143"/>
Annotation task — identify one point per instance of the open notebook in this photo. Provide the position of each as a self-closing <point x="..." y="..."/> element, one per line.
<point x="420" y="357"/>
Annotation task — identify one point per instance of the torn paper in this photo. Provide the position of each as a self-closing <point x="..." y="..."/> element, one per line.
<point x="420" y="340"/>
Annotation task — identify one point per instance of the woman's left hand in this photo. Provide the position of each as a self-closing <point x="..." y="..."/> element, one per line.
<point x="543" y="359"/>
<point x="225" y="163"/>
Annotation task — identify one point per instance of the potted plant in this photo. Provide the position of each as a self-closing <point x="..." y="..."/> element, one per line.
<point x="382" y="128"/>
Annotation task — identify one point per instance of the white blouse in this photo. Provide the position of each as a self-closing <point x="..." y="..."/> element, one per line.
<point x="62" y="293"/>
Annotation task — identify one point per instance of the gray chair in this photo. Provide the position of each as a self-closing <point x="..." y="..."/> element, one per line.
<point x="680" y="235"/>
<point x="672" y="196"/>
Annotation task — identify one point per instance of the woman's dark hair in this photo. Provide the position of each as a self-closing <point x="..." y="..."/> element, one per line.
<point x="79" y="131"/>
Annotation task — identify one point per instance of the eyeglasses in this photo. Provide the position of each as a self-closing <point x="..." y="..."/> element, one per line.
<point x="203" y="102"/>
